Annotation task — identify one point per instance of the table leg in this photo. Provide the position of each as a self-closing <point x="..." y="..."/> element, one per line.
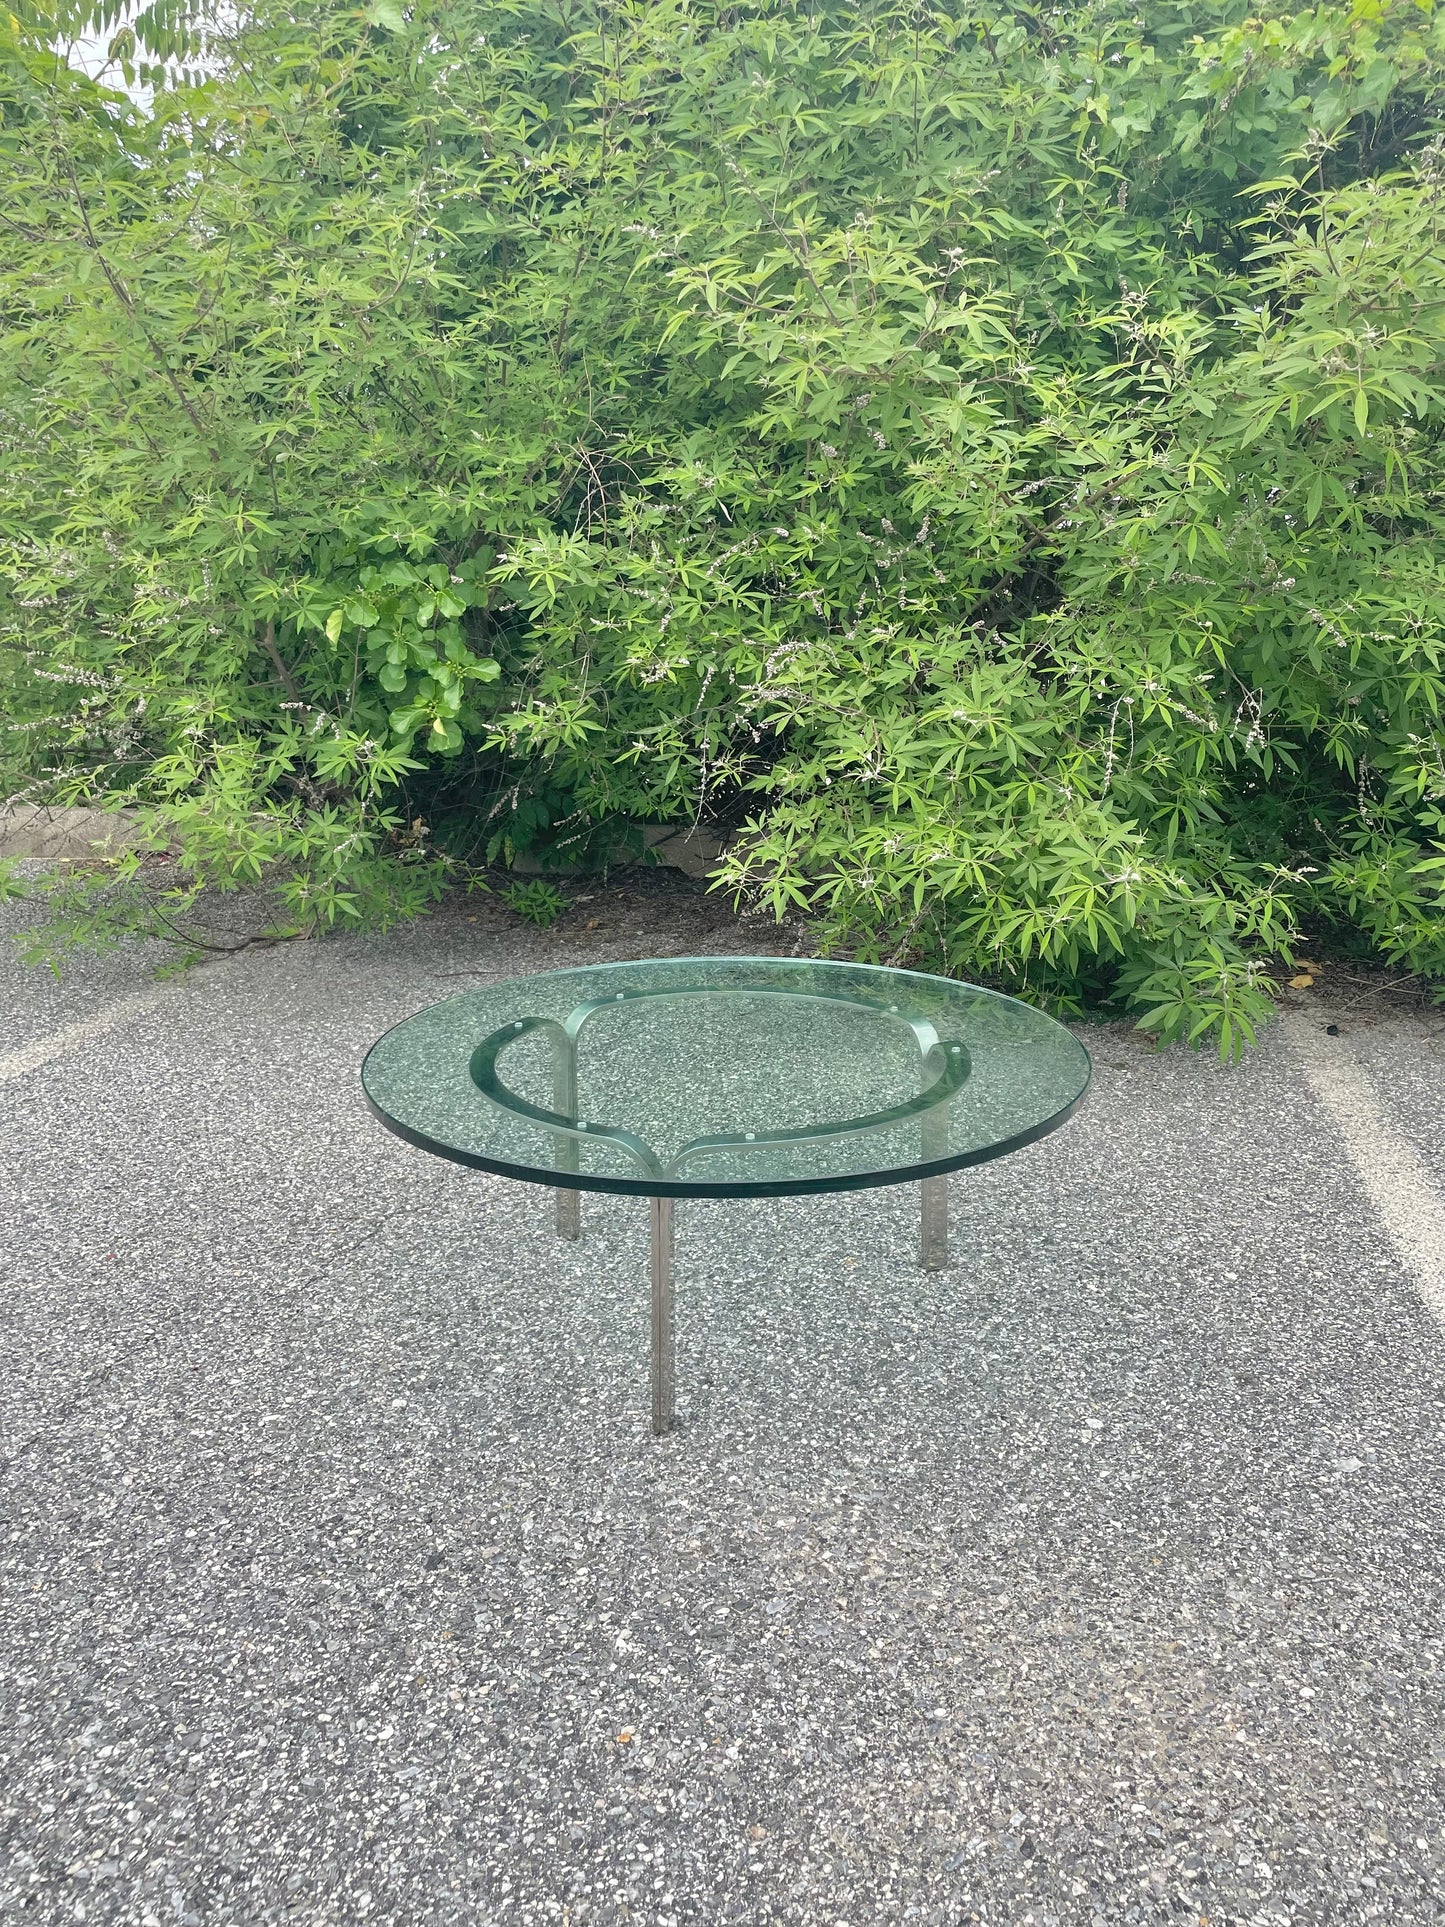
<point x="933" y="1192"/>
<point x="933" y="1229"/>
<point x="564" y="1153"/>
<point x="663" y="1412"/>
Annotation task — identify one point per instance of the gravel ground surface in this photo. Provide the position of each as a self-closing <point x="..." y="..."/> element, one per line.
<point x="1097" y="1578"/>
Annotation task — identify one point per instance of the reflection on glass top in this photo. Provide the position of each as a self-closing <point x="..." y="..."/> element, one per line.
<point x="710" y="1076"/>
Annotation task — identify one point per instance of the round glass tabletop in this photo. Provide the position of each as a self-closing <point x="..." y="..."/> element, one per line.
<point x="725" y="1077"/>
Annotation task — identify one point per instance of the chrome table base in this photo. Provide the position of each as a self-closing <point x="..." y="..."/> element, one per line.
<point x="569" y="1214"/>
<point x="944" y="1066"/>
<point x="664" y="1407"/>
<point x="933" y="1223"/>
<point x="932" y="1255"/>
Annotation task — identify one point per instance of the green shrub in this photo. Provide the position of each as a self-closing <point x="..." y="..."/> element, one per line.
<point x="987" y="456"/>
<point x="538" y="901"/>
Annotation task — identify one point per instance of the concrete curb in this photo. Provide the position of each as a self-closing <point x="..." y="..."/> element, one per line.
<point x="691" y="851"/>
<point x="33" y="830"/>
<point x="66" y="835"/>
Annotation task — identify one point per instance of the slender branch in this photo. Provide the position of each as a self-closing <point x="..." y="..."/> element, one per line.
<point x="127" y="301"/>
<point x="801" y="258"/>
<point x="268" y="643"/>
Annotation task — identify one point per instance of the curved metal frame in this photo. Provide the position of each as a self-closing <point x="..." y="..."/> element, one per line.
<point x="950" y="1062"/>
<point x="953" y="1067"/>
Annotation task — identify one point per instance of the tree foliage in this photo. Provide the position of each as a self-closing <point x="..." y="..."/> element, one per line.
<point x="985" y="456"/>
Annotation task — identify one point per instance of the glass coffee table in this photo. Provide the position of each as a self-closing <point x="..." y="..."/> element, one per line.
<point x="725" y="1077"/>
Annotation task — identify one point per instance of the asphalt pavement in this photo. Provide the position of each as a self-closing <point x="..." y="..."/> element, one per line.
<point x="1096" y="1578"/>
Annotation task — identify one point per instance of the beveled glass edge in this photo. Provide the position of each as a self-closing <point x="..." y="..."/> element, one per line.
<point x="761" y="1188"/>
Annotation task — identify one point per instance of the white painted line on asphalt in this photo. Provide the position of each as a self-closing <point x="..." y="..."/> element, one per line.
<point x="30" y="1057"/>
<point x="1391" y="1171"/>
